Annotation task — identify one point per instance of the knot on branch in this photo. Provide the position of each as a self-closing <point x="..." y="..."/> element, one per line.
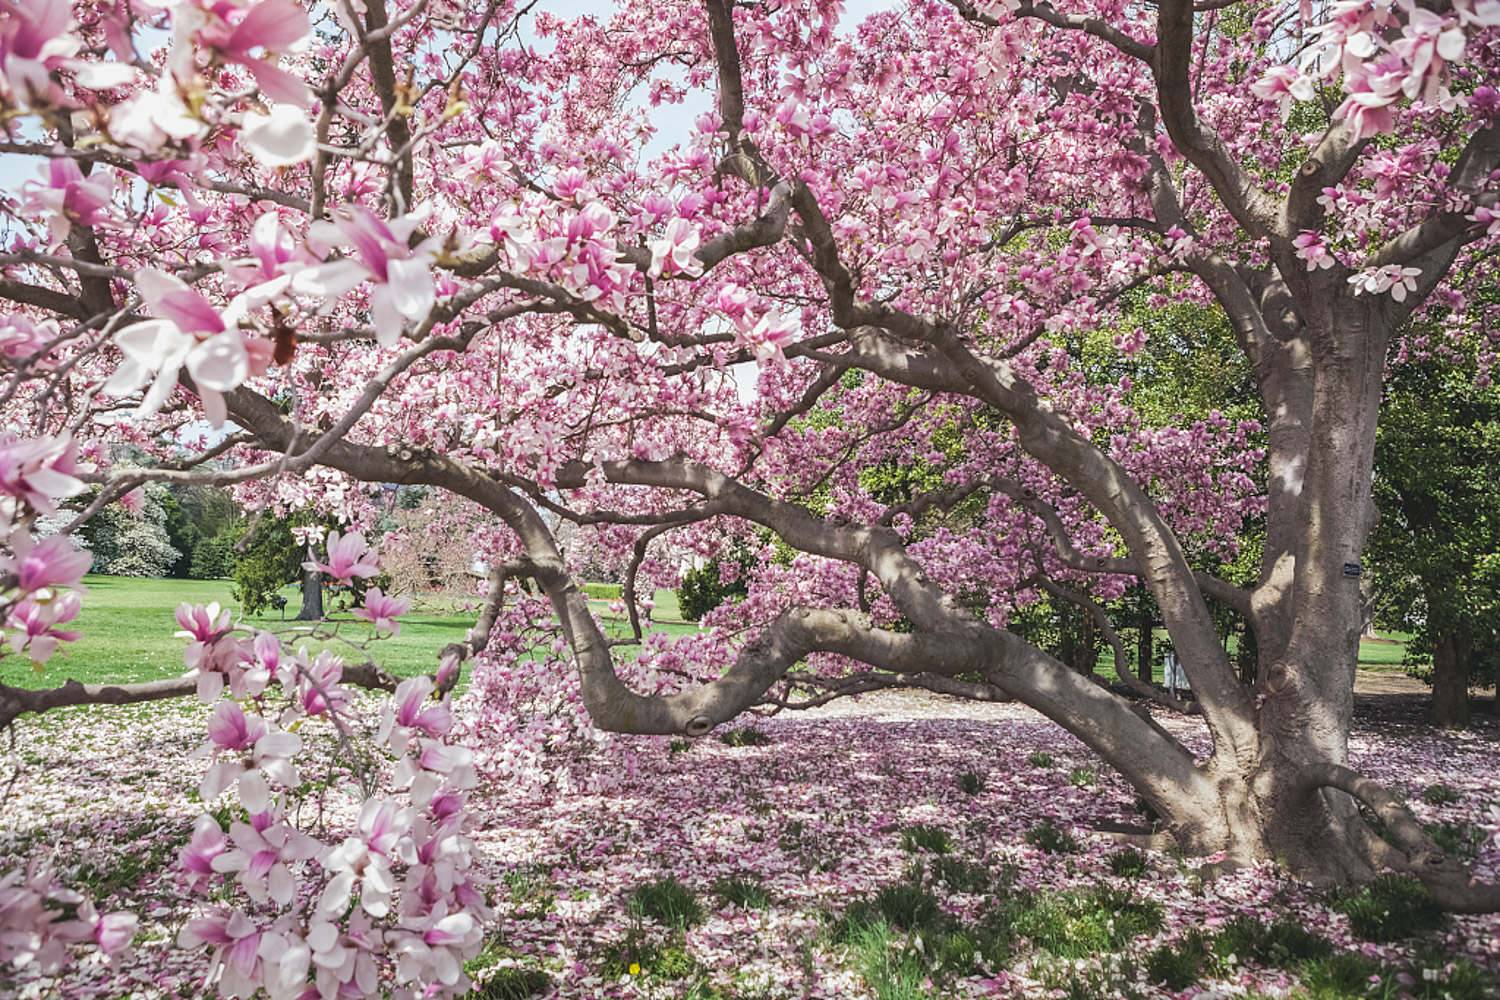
<point x="698" y="725"/>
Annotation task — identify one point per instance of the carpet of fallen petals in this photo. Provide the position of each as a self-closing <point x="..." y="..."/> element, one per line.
<point x="814" y="815"/>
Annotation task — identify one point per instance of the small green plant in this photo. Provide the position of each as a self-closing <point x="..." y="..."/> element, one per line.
<point x="1179" y="964"/>
<point x="1082" y="777"/>
<point x="745" y="736"/>
<point x="1082" y="923"/>
<point x="668" y="902"/>
<point x="744" y="891"/>
<point x="513" y="983"/>
<point x="1390" y="908"/>
<point x="530" y="890"/>
<point x="933" y="839"/>
<point x="970" y="783"/>
<point x="1346" y="976"/>
<point x="1280" y="944"/>
<point x="1128" y="862"/>
<point x="1462" y="840"/>
<point x="1048" y="836"/>
<point x="964" y="876"/>
<point x="679" y="746"/>
<point x="1440" y="794"/>
<point x="1438" y="978"/>
<point x="496" y="980"/>
<point x="1039" y="758"/>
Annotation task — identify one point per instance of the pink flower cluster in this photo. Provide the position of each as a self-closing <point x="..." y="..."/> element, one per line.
<point x="393" y="908"/>
<point x="40" y="580"/>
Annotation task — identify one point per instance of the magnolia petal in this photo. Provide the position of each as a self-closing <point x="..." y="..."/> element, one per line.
<point x="280" y="139"/>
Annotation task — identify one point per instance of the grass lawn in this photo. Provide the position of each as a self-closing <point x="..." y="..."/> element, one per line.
<point x="1380" y="655"/>
<point x="128" y="625"/>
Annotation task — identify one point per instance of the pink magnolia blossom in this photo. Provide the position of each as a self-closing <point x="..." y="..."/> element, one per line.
<point x="362" y="863"/>
<point x="189" y="333"/>
<point x="235" y="939"/>
<point x="1285" y="86"/>
<point x="265" y="851"/>
<point x="1311" y="248"/>
<point x="768" y="334"/>
<point x="33" y="625"/>
<point x="675" y="252"/>
<point x="1393" y="278"/>
<point x="65" y="198"/>
<point x="22" y="338"/>
<point x="37" y="38"/>
<point x="253" y="35"/>
<point x="349" y="556"/>
<point x="410" y="713"/>
<point x="404" y="290"/>
<point x="246" y="752"/>
<point x="134" y="501"/>
<point x="39" y="471"/>
<point x="381" y="610"/>
<point x="52" y="562"/>
<point x="207" y="843"/>
<point x="281" y="138"/>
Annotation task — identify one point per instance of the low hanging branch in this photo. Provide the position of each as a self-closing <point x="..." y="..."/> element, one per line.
<point x="15" y="701"/>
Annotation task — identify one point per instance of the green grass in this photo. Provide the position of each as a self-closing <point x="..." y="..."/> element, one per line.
<point x="127" y="628"/>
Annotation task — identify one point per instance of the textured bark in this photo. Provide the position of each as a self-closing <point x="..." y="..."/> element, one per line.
<point x="1450" y="680"/>
<point x="312" y="596"/>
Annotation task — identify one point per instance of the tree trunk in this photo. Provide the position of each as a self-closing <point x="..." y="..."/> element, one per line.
<point x="1143" y="652"/>
<point x="312" y="596"/>
<point x="1450" y="680"/>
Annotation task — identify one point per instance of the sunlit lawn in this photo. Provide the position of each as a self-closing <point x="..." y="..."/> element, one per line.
<point x="127" y="628"/>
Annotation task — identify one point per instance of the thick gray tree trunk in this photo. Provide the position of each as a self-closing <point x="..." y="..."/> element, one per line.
<point x="1450" y="680"/>
<point x="312" y="593"/>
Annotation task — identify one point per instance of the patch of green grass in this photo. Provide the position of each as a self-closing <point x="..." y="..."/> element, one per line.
<point x="1082" y="777"/>
<point x="1081" y="923"/>
<point x="644" y="956"/>
<point x="1348" y="975"/>
<point x="1128" y="862"/>
<point x="1439" y="978"/>
<point x="890" y="967"/>
<point x="532" y="894"/>
<point x="745" y="736"/>
<point x="970" y="783"/>
<point x="744" y="891"/>
<point x="1039" y="758"/>
<point x="1179" y="964"/>
<point x="668" y="902"/>
<point x="495" y="980"/>
<point x="1390" y="908"/>
<point x="1048" y="836"/>
<point x="933" y="839"/>
<point x="679" y="746"/>
<point x="1280" y="944"/>
<point x="1439" y="794"/>
<point x="127" y="627"/>
<point x="961" y="875"/>
<point x="1462" y="840"/>
<point x="126" y="871"/>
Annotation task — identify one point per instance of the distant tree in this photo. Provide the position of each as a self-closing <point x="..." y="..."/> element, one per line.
<point x="269" y="558"/>
<point x="1435" y="552"/>
<point x="132" y="543"/>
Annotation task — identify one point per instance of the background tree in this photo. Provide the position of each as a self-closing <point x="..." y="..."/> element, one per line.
<point x="1435" y="551"/>
<point x="132" y="542"/>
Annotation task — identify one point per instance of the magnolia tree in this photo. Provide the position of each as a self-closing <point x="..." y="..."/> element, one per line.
<point x="868" y="328"/>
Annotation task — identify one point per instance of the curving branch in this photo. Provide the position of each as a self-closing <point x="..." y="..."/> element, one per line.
<point x="1444" y="877"/>
<point x="15" y="702"/>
